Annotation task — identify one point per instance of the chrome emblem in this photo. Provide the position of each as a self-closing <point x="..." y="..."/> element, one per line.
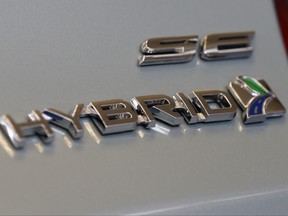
<point x="256" y="99"/>
<point x="170" y="50"/>
<point x="116" y="116"/>
<point x="226" y="46"/>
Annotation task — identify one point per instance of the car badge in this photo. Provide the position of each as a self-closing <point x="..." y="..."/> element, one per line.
<point x="256" y="99"/>
<point x="181" y="49"/>
<point x="116" y="116"/>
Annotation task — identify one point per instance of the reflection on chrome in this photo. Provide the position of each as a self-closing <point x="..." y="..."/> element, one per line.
<point x="58" y="131"/>
<point x="161" y="129"/>
<point x="92" y="133"/>
<point x="6" y="146"/>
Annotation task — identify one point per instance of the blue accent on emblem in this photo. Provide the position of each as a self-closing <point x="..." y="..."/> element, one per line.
<point x="256" y="107"/>
<point x="53" y="116"/>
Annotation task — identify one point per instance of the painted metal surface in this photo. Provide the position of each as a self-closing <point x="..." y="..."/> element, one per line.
<point x="58" y="53"/>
